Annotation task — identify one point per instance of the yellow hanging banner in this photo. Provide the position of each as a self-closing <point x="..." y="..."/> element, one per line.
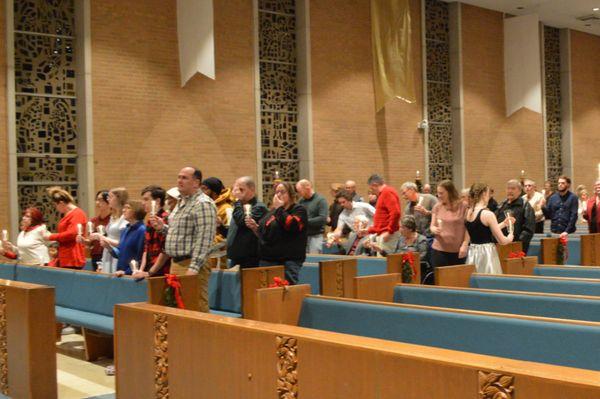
<point x="392" y="51"/>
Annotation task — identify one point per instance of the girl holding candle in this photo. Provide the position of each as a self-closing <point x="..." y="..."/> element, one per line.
<point x="31" y="246"/>
<point x="448" y="227"/>
<point x="71" y="253"/>
<point x="482" y="227"/>
<point x="131" y="243"/>
<point x="117" y="198"/>
<point x="102" y="218"/>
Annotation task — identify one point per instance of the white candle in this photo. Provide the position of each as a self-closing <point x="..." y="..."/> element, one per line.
<point x="153" y="207"/>
<point x="79" y="229"/>
<point x="100" y="229"/>
<point x="418" y="174"/>
<point x="330" y="237"/>
<point x="90" y="227"/>
<point x="4" y="235"/>
<point x="248" y="210"/>
<point x="439" y="223"/>
<point x="276" y="174"/>
<point x="522" y="173"/>
<point x="134" y="265"/>
<point x="420" y="201"/>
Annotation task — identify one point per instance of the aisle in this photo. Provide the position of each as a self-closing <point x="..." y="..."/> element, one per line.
<point x="78" y="379"/>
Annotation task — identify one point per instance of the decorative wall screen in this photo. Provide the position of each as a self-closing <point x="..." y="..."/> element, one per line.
<point x="553" y="103"/>
<point x="439" y="111"/>
<point x="278" y="94"/>
<point x="45" y="100"/>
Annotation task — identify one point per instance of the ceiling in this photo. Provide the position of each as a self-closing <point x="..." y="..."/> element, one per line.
<point x="556" y="13"/>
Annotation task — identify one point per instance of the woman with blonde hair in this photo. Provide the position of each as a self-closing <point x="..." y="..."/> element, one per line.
<point x="117" y="198"/>
<point x="482" y="228"/>
<point x="71" y="253"/>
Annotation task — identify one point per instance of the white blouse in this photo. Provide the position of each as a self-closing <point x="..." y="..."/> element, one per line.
<point x="31" y="246"/>
<point x="113" y="231"/>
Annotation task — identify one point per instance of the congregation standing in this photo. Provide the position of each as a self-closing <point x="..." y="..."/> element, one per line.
<point x="201" y="224"/>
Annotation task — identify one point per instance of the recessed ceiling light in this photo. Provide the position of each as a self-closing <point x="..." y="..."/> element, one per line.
<point x="588" y="24"/>
<point x="596" y="9"/>
<point x="520" y="8"/>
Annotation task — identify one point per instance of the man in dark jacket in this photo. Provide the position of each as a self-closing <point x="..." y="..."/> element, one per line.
<point x="524" y="225"/>
<point x="561" y="208"/>
<point x="242" y="243"/>
<point x="317" y="210"/>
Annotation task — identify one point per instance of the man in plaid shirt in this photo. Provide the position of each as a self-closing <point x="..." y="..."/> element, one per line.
<point x="191" y="231"/>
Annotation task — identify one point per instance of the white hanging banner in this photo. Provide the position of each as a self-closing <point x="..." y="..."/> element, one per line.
<point x="522" y="65"/>
<point x="195" y="34"/>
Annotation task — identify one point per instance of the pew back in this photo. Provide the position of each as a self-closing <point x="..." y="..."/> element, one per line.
<point x="556" y="285"/>
<point x="567" y="271"/>
<point x="574" y="307"/>
<point x="158" y="350"/>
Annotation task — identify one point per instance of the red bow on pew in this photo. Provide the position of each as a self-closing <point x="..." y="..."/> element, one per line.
<point x="173" y="292"/>
<point x="278" y="282"/>
<point x="515" y="255"/>
<point x="408" y="266"/>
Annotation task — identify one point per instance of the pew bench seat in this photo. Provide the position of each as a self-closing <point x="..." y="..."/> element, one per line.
<point x="552" y="341"/>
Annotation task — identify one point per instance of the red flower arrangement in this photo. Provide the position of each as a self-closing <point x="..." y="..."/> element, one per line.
<point x="279" y="282"/>
<point x="516" y="255"/>
<point x="408" y="267"/>
<point x="562" y="251"/>
<point x="173" y="292"/>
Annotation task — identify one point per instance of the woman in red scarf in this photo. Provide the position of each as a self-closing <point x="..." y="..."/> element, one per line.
<point x="31" y="246"/>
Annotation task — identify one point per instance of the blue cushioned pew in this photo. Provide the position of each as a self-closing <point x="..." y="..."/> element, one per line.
<point x="366" y="265"/>
<point x="560" y="342"/>
<point x="567" y="271"/>
<point x="555" y="285"/>
<point x="561" y="306"/>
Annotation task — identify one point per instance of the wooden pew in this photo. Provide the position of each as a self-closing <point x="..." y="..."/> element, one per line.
<point x="548" y="250"/>
<point x="189" y="291"/>
<point x="376" y="288"/>
<point x="337" y="277"/>
<point x="158" y="351"/>
<point x="253" y="279"/>
<point x="590" y="249"/>
<point x="522" y="266"/>
<point x="454" y="276"/>
<point x="505" y="249"/>
<point x="394" y="265"/>
<point x="27" y="340"/>
<point x="282" y="304"/>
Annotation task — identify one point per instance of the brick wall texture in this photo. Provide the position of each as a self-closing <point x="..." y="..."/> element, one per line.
<point x="585" y="69"/>
<point x="497" y="148"/>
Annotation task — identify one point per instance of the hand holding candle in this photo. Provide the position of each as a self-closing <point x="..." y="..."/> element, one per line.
<point x="4" y="235"/>
<point x="134" y="265"/>
<point x="100" y="229"/>
<point x="248" y="210"/>
<point x="90" y="228"/>
<point x="79" y="229"/>
<point x="153" y="207"/>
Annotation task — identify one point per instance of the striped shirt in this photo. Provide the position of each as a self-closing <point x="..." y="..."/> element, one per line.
<point x="192" y="228"/>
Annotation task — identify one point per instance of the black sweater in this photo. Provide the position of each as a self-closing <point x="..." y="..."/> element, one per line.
<point x="283" y="234"/>
<point x="242" y="243"/>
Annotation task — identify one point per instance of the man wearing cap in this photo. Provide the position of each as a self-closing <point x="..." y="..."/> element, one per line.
<point x="214" y="188"/>
<point x="191" y="232"/>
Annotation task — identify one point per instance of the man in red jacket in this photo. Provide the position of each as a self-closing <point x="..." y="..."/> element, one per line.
<point x="386" y="221"/>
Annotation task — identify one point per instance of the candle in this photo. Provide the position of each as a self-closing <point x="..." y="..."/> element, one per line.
<point x="248" y="210"/>
<point x="4" y="235"/>
<point x="439" y="223"/>
<point x="100" y="229"/>
<point x="90" y="227"/>
<point x="522" y="173"/>
<point x="276" y="175"/>
<point x="330" y="238"/>
<point x="79" y="229"/>
<point x="134" y="265"/>
<point x="418" y="174"/>
<point x="153" y="207"/>
<point x="420" y="201"/>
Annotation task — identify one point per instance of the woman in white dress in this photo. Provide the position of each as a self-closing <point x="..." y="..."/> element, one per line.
<point x="117" y="198"/>
<point x="482" y="228"/>
<point x="31" y="246"/>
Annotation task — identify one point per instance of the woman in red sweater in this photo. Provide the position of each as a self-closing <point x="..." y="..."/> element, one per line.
<point x="70" y="253"/>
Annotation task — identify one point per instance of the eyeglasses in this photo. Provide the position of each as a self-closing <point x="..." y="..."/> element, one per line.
<point x="281" y="192"/>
